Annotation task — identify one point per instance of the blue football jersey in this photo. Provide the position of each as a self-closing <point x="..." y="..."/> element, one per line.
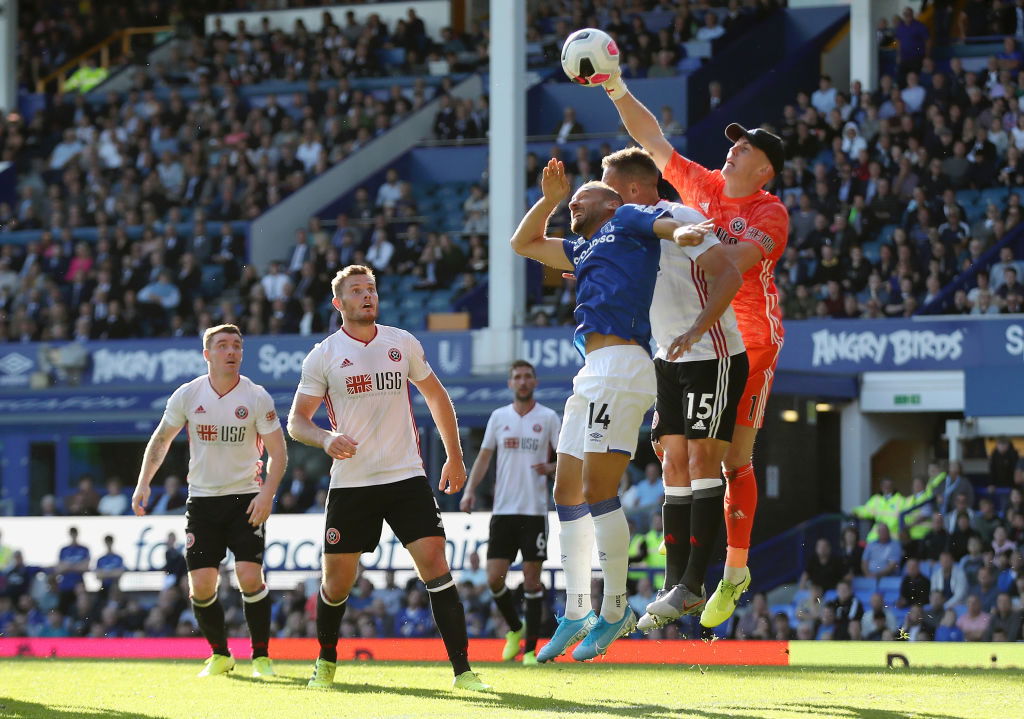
<point x="615" y="271"/>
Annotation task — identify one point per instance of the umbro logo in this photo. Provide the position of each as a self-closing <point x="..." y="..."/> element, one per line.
<point x="699" y="424"/>
<point x="704" y="206"/>
<point x="347" y="363"/>
<point x="200" y="410"/>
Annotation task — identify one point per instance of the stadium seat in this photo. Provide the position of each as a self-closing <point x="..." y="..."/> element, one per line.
<point x="899" y="614"/>
<point x="997" y="195"/>
<point x="967" y="197"/>
<point x="828" y="596"/>
<point x="800" y="595"/>
<point x="864" y="584"/>
<point x="926" y="567"/>
<point x="889" y="584"/>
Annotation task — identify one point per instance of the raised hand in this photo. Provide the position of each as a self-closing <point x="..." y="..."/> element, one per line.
<point x="553" y="182"/>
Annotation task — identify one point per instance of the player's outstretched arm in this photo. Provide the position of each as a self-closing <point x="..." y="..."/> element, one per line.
<point x="302" y="428"/>
<point x="263" y="503"/>
<point x="529" y="239"/>
<point x="453" y="473"/>
<point x="684" y="234"/>
<point x="641" y="125"/>
<point x="476" y="475"/>
<point x="156" y="451"/>
<point x="725" y="282"/>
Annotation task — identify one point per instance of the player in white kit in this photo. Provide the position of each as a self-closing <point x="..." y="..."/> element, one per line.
<point x="524" y="434"/>
<point x="230" y="420"/>
<point x="701" y="366"/>
<point x="362" y="373"/>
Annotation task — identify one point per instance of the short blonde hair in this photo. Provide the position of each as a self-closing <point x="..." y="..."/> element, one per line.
<point x="210" y="332"/>
<point x="350" y="271"/>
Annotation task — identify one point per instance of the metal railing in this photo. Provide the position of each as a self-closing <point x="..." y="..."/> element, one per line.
<point x="102" y="48"/>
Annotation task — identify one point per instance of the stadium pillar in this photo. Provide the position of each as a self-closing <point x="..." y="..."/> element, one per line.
<point x="8" y="56"/>
<point x="498" y="343"/>
<point x="864" y="43"/>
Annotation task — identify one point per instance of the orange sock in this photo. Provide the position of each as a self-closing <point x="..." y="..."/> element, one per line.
<point x="740" y="507"/>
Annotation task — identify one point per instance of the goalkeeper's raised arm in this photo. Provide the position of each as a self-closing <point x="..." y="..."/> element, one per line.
<point x="641" y="125"/>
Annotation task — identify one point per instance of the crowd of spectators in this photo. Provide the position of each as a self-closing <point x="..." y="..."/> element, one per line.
<point x="943" y="563"/>
<point x="878" y="225"/>
<point x="54" y="601"/>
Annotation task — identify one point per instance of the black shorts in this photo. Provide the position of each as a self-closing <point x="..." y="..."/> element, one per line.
<point x="215" y="524"/>
<point x="699" y="399"/>
<point x="514" y="533"/>
<point x="356" y="515"/>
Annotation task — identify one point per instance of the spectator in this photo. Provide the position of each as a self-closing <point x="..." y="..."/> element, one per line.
<point x="72" y="563"/>
<point x="881" y="557"/>
<point x="109" y="568"/>
<point x="876" y="610"/>
<point x="823" y="568"/>
<point x="85" y="502"/>
<point x="949" y="580"/>
<point x="712" y="30"/>
<point x="1004" y="622"/>
<point x="115" y="502"/>
<point x="847" y="609"/>
<point x="569" y="127"/>
<point x="986" y="520"/>
<point x="851" y="552"/>
<point x="646" y="496"/>
<point x="955" y="483"/>
<point x="975" y="622"/>
<point x="986" y="590"/>
<point x="474" y="574"/>
<point x="824" y="98"/>
<point x="915" y="587"/>
<point x="913" y="40"/>
<point x="174" y="562"/>
<point x="171" y="500"/>
<point x="961" y="536"/>
<point x="884" y="508"/>
<point x="937" y="539"/>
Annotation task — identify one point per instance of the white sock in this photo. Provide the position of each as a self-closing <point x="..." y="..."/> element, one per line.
<point x="576" y="540"/>
<point x="611" y="532"/>
<point x="734" y="575"/>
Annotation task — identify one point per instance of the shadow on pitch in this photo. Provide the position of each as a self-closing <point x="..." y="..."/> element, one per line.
<point x="18" y="709"/>
<point x="840" y="711"/>
<point x="503" y="701"/>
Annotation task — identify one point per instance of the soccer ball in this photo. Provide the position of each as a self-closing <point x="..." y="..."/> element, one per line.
<point x="590" y="56"/>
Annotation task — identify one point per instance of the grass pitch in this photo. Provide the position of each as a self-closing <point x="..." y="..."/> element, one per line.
<point x="83" y="689"/>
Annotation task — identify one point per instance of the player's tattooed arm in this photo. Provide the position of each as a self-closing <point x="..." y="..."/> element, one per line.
<point x="156" y="451"/>
<point x="529" y="239"/>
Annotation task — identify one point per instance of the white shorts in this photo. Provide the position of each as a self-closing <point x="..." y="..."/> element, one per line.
<point x="610" y="397"/>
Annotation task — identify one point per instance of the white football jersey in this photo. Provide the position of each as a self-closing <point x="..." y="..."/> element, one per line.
<point x="681" y="293"/>
<point x="224" y="442"/>
<point x="521" y="442"/>
<point x="365" y="386"/>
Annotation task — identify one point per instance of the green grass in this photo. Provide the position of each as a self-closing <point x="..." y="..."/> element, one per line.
<point x="66" y="689"/>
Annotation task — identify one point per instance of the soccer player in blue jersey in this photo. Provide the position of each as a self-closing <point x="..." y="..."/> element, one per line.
<point x="615" y="261"/>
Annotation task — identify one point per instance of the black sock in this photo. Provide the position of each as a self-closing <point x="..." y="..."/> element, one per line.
<point x="328" y="621"/>
<point x="450" y="618"/>
<point x="257" y="616"/>
<point x="507" y="606"/>
<point x="534" y="602"/>
<point x="675" y="515"/>
<point x="211" y="623"/>
<point x="705" y="519"/>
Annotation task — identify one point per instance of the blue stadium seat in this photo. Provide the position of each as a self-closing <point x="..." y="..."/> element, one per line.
<point x="723" y="630"/>
<point x="967" y="197"/>
<point x="800" y="595"/>
<point x="926" y="567"/>
<point x="900" y="614"/>
<point x="997" y="195"/>
<point x="864" y="584"/>
<point x="889" y="584"/>
<point x="828" y="596"/>
<point x="864" y="597"/>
